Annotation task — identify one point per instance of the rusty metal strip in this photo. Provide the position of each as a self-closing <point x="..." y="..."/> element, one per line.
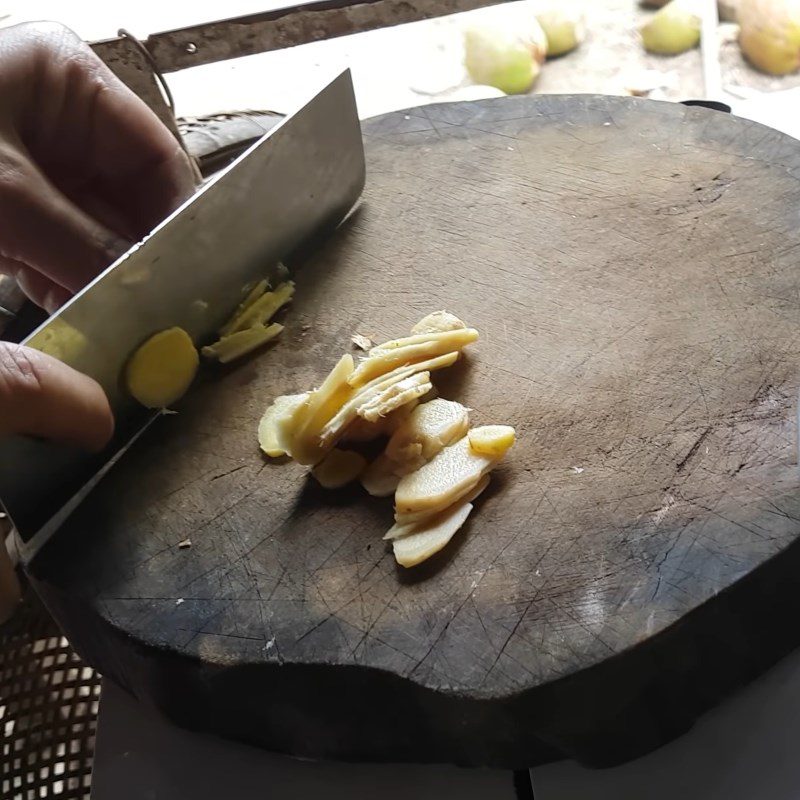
<point x="274" y="30"/>
<point x="140" y="64"/>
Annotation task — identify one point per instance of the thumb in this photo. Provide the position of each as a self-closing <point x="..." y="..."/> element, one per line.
<point x="40" y="396"/>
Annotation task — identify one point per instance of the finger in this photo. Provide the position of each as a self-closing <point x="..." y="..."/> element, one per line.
<point x="92" y="200"/>
<point x="105" y="131"/>
<point x="42" y="291"/>
<point x="46" y="231"/>
<point x="145" y="171"/>
<point x="40" y="396"/>
<point x="36" y="287"/>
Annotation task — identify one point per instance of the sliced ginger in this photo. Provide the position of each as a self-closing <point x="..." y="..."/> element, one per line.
<point x="301" y="429"/>
<point x="236" y="345"/>
<point x="400" y="352"/>
<point x="438" y="321"/>
<point x="430" y="427"/>
<point x="259" y="289"/>
<point x="441" y="482"/>
<point x="162" y="369"/>
<point x="262" y="309"/>
<point x="414" y="544"/>
<point x="269" y="429"/>
<point x="361" y="430"/>
<point x="339" y="468"/>
<point x="330" y="411"/>
<point x="431" y="537"/>
<point x="380" y="478"/>
<point x="376" y="388"/>
<point x="396" y="396"/>
<point x="247" y="329"/>
<point x="453" y="473"/>
<point x="492" y="440"/>
<point x="433" y="463"/>
<point x="397" y="530"/>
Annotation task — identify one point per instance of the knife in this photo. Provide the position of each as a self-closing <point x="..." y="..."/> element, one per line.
<point x="297" y="182"/>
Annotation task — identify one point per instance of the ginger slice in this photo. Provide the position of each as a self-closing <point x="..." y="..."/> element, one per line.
<point x="382" y="477"/>
<point x="236" y="345"/>
<point x="349" y="411"/>
<point x="438" y="321"/>
<point x="262" y="309"/>
<point x="300" y="430"/>
<point x="459" y="337"/>
<point x="395" y="396"/>
<point x="162" y="369"/>
<point x="379" y="478"/>
<point x="397" y="530"/>
<point x="429" y="428"/>
<point x="361" y="430"/>
<point x="361" y="342"/>
<point x="393" y="420"/>
<point x="259" y="289"/>
<point x="431" y="537"/>
<point x="339" y="468"/>
<point x="399" y="352"/>
<point x="492" y="440"/>
<point x="441" y="482"/>
<point x="269" y="432"/>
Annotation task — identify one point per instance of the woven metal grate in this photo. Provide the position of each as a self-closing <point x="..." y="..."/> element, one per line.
<point x="48" y="711"/>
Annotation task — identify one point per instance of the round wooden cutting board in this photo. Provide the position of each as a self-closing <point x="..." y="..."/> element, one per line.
<point x="634" y="270"/>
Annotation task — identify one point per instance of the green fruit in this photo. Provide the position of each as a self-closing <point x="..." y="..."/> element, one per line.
<point x="564" y="31"/>
<point x="673" y="29"/>
<point x="496" y="58"/>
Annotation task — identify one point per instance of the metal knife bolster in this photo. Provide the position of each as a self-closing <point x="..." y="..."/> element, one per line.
<point x="303" y="177"/>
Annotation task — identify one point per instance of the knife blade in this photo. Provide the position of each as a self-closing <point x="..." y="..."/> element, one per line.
<point x="300" y="180"/>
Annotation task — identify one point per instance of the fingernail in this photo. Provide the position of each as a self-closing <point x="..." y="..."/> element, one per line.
<point x="53" y="301"/>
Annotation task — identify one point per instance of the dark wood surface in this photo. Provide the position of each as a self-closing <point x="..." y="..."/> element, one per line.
<point x="633" y="269"/>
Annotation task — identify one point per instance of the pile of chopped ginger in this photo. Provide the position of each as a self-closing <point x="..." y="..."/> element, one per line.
<point x="433" y="463"/>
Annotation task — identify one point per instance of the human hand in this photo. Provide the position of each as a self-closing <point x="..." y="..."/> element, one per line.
<point x="40" y="396"/>
<point x="85" y="167"/>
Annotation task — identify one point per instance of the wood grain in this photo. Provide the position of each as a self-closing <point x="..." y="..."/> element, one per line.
<point x="632" y="267"/>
